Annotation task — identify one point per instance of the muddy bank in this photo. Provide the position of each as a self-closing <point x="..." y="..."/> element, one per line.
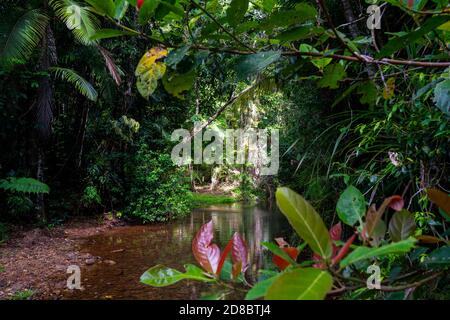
<point x="37" y="259"/>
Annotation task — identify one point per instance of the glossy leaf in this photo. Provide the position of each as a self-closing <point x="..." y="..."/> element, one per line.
<point x="239" y="255"/>
<point x="283" y="263"/>
<point x="160" y="276"/>
<point x="343" y="251"/>
<point x="224" y="255"/>
<point x="402" y="225"/>
<point x="401" y="42"/>
<point x="351" y="206"/>
<point x="103" y="7"/>
<point x="236" y="11"/>
<point x="110" y="33"/>
<point x="305" y="221"/>
<point x="206" y="253"/>
<point x="284" y="258"/>
<point x="260" y="288"/>
<point x="441" y="199"/>
<point x="300" y="284"/>
<point x="363" y="253"/>
<point x="147" y="11"/>
<point x="438" y="258"/>
<point x="251" y="65"/>
<point x="149" y="71"/>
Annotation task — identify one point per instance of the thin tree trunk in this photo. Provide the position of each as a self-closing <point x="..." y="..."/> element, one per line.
<point x="350" y="17"/>
<point x="40" y="205"/>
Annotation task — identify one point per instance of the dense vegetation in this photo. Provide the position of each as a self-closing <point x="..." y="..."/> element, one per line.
<point x="91" y="91"/>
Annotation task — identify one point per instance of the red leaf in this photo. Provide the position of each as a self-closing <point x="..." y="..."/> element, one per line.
<point x="224" y="256"/>
<point x="410" y="3"/>
<point x="140" y="3"/>
<point x="396" y="203"/>
<point x="320" y="264"/>
<point x="280" y="262"/>
<point x="206" y="254"/>
<point x="336" y="232"/>
<point x="343" y="252"/>
<point x="239" y="255"/>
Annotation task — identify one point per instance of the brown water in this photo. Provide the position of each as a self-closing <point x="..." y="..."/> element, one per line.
<point x="136" y="248"/>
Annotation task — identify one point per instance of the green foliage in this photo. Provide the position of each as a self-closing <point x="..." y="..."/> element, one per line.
<point x="22" y="295"/>
<point x="91" y="196"/>
<point x="203" y="199"/>
<point x="351" y="206"/>
<point x="300" y="284"/>
<point x="23" y="185"/>
<point x="24" y="37"/>
<point x="362" y="253"/>
<point x="158" y="190"/>
<point x="83" y="86"/>
<point x="160" y="276"/>
<point x="305" y="221"/>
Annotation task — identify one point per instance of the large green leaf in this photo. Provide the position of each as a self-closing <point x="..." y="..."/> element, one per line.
<point x="351" y="206"/>
<point x="236" y="11"/>
<point x="442" y="96"/>
<point x="301" y="284"/>
<point x="363" y="253"/>
<point x="103" y="7"/>
<point x="305" y="220"/>
<point x="398" y="43"/>
<point x="147" y="11"/>
<point x="260" y="288"/>
<point x="332" y="75"/>
<point x="110" y="33"/>
<point x="252" y="64"/>
<point x="439" y="257"/>
<point x="284" y="18"/>
<point x="402" y="225"/>
<point x="160" y="276"/>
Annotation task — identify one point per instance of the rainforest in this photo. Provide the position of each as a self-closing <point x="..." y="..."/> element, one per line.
<point x="224" y="149"/>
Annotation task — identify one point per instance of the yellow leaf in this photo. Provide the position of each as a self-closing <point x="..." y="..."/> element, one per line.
<point x="389" y="89"/>
<point x="150" y="70"/>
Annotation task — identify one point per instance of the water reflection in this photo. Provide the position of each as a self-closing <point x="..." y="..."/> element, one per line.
<point x="136" y="248"/>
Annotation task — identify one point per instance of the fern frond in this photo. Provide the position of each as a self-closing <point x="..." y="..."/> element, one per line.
<point x="24" y="37"/>
<point x="25" y="185"/>
<point x="81" y="84"/>
<point x="77" y="18"/>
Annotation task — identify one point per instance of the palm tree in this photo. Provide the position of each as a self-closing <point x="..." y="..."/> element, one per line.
<point x="27" y="33"/>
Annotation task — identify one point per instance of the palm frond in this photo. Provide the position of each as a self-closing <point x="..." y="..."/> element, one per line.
<point x="77" y="18"/>
<point x="81" y="84"/>
<point x="24" y="37"/>
<point x="24" y="185"/>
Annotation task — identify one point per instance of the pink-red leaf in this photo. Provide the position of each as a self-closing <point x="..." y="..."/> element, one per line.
<point x="206" y="254"/>
<point x="396" y="202"/>
<point x="224" y="256"/>
<point x="336" y="232"/>
<point x="344" y="250"/>
<point x="239" y="255"/>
